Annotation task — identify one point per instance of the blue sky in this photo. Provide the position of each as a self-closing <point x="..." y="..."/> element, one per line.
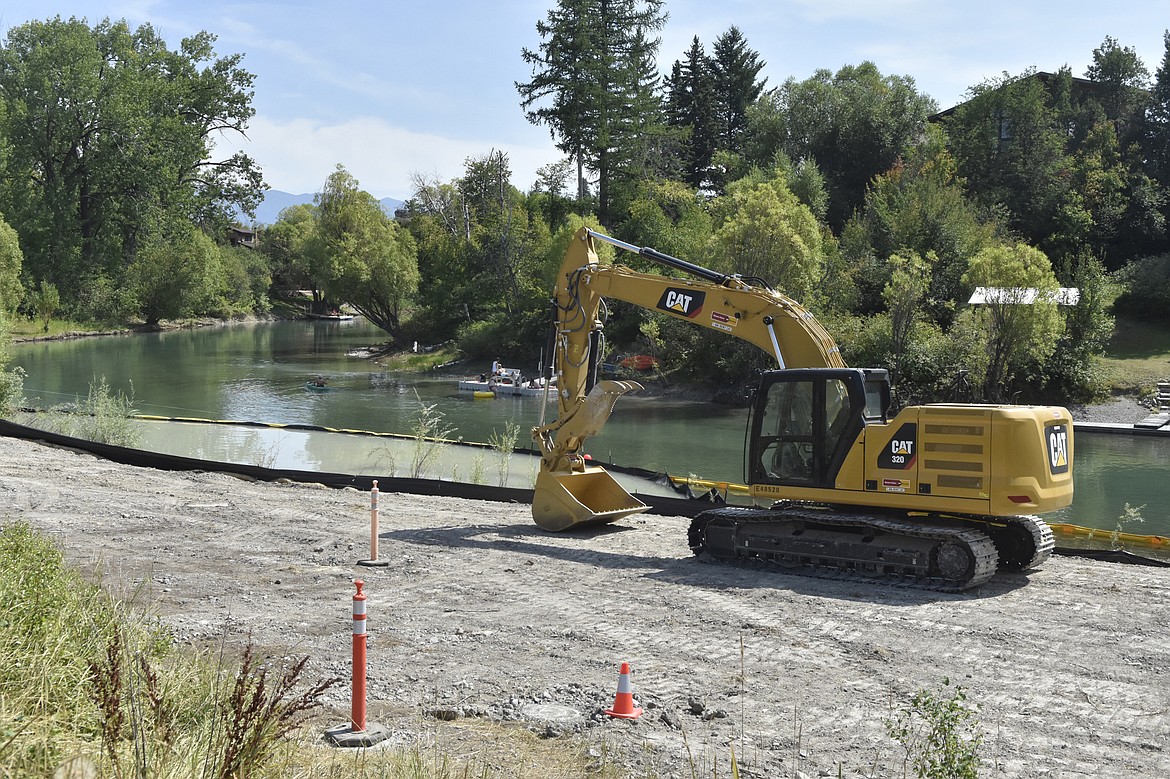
<point x="393" y="88"/>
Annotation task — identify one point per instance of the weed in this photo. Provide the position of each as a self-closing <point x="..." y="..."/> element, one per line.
<point x="104" y="417"/>
<point x="430" y="434"/>
<point x="938" y="734"/>
<point x="1132" y="515"/>
<point x="259" y="712"/>
<point x="478" y="474"/>
<point x="504" y="444"/>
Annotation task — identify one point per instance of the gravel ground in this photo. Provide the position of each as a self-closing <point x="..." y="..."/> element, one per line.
<point x="1121" y="410"/>
<point x="480" y="616"/>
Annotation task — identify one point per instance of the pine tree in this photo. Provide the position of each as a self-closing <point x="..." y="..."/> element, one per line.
<point x="736" y="69"/>
<point x="692" y="105"/>
<point x="592" y="64"/>
<point x="1158" y="121"/>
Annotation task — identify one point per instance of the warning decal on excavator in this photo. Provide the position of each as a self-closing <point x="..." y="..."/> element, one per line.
<point x="1057" y="448"/>
<point x="684" y="302"/>
<point x="902" y="451"/>
<point x="721" y="321"/>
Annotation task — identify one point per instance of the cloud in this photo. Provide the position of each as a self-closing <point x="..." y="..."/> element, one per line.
<point x="298" y="155"/>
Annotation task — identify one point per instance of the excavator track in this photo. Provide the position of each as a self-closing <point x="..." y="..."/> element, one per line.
<point x="947" y="555"/>
<point x="1022" y="542"/>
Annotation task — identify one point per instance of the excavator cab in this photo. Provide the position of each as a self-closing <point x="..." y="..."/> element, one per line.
<point x="805" y="420"/>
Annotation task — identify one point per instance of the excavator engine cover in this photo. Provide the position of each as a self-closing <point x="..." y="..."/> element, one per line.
<point x="589" y="497"/>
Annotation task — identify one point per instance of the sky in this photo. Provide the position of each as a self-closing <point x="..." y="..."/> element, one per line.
<point x="394" y="89"/>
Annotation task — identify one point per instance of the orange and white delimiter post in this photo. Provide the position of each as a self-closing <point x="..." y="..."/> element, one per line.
<point x="374" y="521"/>
<point x="357" y="712"/>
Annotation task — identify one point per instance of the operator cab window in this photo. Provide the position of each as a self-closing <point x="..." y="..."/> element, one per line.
<point x="802" y="431"/>
<point x="788" y="426"/>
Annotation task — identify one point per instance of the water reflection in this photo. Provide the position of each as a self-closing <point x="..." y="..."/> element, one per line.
<point x="257" y="372"/>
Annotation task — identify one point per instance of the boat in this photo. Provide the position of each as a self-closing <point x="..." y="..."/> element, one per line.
<point x="483" y="394"/>
<point x="317" y="385"/>
<point x="334" y="317"/>
<point x="508" y="381"/>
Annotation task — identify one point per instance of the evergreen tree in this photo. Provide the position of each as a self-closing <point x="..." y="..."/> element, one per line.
<point x="1157" y="135"/>
<point x="691" y="105"/>
<point x="737" y="86"/>
<point x="592" y="65"/>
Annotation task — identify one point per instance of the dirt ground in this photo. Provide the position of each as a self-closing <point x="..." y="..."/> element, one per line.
<point x="480" y="615"/>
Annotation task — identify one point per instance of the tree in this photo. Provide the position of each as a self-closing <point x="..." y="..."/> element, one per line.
<point x="918" y="206"/>
<point x="111" y="136"/>
<point x="853" y="124"/>
<point x="372" y="263"/>
<point x="288" y="243"/>
<point x="549" y="192"/>
<point x="1124" y="78"/>
<point x="765" y="232"/>
<point x="1157" y="136"/>
<point x="11" y="261"/>
<point x="737" y="85"/>
<point x="904" y="296"/>
<point x="176" y="273"/>
<point x="45" y="301"/>
<point x="592" y="65"/>
<point x="1021" y="332"/>
<point x="691" y="105"/>
<point x="1010" y="147"/>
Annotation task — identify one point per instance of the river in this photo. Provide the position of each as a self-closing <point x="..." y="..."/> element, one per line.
<point x="258" y="373"/>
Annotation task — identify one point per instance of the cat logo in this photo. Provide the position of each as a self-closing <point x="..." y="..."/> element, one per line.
<point x="900" y="454"/>
<point x="683" y="302"/>
<point x="1057" y="448"/>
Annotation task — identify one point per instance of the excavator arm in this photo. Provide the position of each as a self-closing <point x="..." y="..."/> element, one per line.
<point x="570" y="492"/>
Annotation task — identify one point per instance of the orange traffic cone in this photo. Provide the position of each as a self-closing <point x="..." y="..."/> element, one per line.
<point x="623" y="703"/>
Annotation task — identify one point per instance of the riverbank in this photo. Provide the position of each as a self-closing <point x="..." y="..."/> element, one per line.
<point x="480" y="617"/>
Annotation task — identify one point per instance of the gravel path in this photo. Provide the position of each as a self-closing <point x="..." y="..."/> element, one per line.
<point x="479" y="614"/>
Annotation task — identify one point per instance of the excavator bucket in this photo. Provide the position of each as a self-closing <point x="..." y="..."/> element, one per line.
<point x="572" y="493"/>
<point x="589" y="497"/>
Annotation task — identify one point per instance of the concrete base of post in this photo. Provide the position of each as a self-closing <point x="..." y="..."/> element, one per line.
<point x="374" y="563"/>
<point x="346" y="736"/>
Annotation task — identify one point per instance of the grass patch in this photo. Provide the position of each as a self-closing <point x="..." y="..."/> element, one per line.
<point x="93" y="687"/>
<point x="22" y="329"/>
<point x="421" y="362"/>
<point x="1137" y="356"/>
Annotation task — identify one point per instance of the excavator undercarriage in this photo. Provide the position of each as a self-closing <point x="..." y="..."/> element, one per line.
<point x="948" y="554"/>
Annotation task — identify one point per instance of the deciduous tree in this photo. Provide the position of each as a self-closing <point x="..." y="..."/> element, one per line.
<point x="11" y="261"/>
<point x="111" y="135"/>
<point x="854" y="123"/>
<point x="372" y="263"/>
<point x="1021" y="321"/>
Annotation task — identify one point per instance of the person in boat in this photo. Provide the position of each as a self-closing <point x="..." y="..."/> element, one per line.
<point x="319" y="381"/>
<point x="497" y="366"/>
<point x="483" y="377"/>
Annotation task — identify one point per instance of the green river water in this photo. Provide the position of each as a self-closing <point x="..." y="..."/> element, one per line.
<point x="258" y="373"/>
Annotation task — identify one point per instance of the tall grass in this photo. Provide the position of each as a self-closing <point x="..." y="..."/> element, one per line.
<point x="103" y="416"/>
<point x="504" y="445"/>
<point x="91" y="683"/>
<point x="90" y="687"/>
<point x="430" y="433"/>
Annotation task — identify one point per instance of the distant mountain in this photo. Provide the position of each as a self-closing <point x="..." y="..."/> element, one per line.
<point x="276" y="201"/>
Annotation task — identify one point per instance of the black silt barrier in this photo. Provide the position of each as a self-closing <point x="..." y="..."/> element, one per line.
<point x="674" y="507"/>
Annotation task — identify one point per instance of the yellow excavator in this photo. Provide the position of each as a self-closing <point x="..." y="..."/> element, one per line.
<point x="938" y="496"/>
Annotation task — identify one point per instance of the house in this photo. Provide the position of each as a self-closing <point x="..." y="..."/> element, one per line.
<point x="242" y="236"/>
